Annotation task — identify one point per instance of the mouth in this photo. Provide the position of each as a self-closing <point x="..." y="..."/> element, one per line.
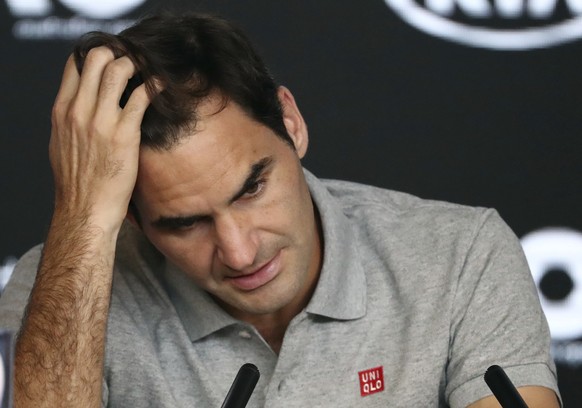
<point x="259" y="277"/>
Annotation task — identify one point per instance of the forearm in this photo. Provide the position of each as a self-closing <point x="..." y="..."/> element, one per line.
<point x="94" y="153"/>
<point x="60" y="348"/>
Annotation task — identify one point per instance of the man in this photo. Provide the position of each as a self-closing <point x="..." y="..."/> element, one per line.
<point x="342" y="294"/>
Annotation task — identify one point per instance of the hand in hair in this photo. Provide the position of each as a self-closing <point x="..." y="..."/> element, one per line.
<point x="94" y="144"/>
<point x="94" y="150"/>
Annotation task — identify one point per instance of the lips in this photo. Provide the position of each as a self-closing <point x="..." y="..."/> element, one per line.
<point x="258" y="278"/>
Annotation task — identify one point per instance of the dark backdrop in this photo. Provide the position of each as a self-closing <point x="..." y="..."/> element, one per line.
<point x="386" y="103"/>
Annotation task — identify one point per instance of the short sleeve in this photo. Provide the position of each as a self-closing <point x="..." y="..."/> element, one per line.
<point x="496" y="318"/>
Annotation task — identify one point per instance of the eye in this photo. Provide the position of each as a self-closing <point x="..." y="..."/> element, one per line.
<point x="255" y="189"/>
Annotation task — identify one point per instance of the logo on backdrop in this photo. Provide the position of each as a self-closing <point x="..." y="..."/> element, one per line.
<point x="47" y="20"/>
<point x="554" y="256"/>
<point x="6" y="367"/>
<point x="6" y="269"/>
<point x="498" y="24"/>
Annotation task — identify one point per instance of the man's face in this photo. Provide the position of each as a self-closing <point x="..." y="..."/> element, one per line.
<point x="230" y="206"/>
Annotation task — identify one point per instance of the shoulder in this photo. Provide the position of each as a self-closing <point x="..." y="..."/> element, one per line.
<point x="137" y="271"/>
<point x="439" y="241"/>
<point x="395" y="212"/>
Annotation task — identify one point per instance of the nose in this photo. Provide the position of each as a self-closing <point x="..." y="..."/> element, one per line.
<point x="236" y="245"/>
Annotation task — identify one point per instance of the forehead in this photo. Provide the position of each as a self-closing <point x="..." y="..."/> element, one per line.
<point x="222" y="130"/>
<point x="214" y="159"/>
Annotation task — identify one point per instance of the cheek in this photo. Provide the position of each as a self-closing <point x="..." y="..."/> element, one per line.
<point x="291" y="198"/>
<point x="296" y="206"/>
<point x="292" y="218"/>
<point x="279" y="216"/>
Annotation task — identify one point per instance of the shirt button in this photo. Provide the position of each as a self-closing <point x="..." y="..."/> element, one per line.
<point x="244" y="334"/>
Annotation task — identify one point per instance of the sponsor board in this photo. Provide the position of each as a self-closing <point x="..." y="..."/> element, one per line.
<point x="46" y="20"/>
<point x="6" y="269"/>
<point x="554" y="256"/>
<point x="495" y="24"/>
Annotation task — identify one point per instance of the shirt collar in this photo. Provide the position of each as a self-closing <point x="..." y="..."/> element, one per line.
<point x="340" y="292"/>
<point x="198" y="312"/>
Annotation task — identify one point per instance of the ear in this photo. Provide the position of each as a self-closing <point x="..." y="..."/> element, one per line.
<point x="294" y="123"/>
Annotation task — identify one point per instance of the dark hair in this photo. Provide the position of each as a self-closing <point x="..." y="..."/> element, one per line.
<point x="192" y="55"/>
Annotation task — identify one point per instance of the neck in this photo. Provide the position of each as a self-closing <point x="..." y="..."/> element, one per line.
<point x="272" y="326"/>
<point x="272" y="329"/>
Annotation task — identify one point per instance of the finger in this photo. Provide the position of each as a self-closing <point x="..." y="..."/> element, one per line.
<point x="113" y="82"/>
<point x="132" y="114"/>
<point x="69" y="83"/>
<point x="95" y="64"/>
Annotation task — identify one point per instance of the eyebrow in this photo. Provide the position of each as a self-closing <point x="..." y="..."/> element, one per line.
<point x="255" y="172"/>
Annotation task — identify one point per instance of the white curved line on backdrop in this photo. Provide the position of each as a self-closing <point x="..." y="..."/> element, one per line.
<point x="518" y="39"/>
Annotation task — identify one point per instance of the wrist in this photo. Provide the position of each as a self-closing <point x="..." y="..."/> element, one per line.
<point x="104" y="223"/>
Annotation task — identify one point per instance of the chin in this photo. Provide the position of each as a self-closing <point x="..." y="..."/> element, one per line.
<point x="263" y="306"/>
<point x="264" y="303"/>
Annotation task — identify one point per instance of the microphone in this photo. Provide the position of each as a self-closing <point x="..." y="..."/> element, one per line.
<point x="503" y="389"/>
<point x="242" y="387"/>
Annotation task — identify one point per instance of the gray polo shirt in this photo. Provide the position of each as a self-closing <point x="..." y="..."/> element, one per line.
<point x="415" y="300"/>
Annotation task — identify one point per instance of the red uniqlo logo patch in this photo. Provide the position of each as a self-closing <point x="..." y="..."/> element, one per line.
<point x="371" y="381"/>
